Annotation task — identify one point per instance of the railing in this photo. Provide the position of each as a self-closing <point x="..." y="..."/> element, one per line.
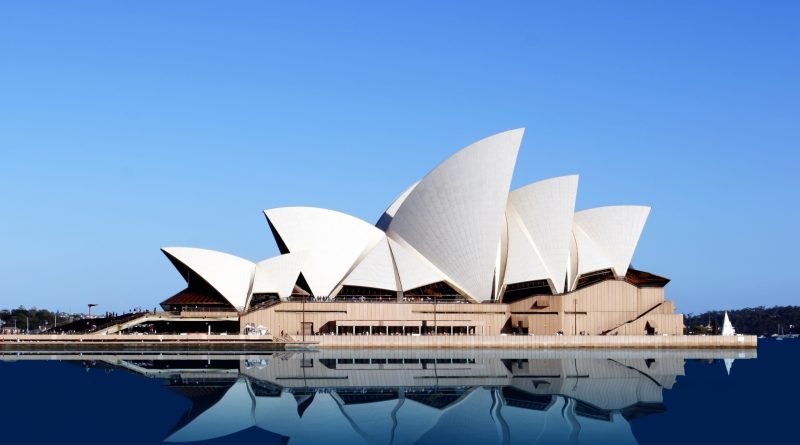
<point x="207" y="313"/>
<point x="185" y="309"/>
<point x="373" y="299"/>
<point x="262" y="305"/>
<point x="92" y="325"/>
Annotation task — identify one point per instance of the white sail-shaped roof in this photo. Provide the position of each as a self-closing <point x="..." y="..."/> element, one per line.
<point x="546" y="209"/>
<point x="459" y="224"/>
<point x="501" y="261"/>
<point x="376" y="270"/>
<point x="334" y="242"/>
<point x="230" y="275"/>
<point x="523" y="262"/>
<point x="278" y="274"/>
<point x="388" y="215"/>
<point x="572" y="266"/>
<point x="590" y="256"/>
<point x="615" y="231"/>
<point x="454" y="215"/>
<point x="413" y="269"/>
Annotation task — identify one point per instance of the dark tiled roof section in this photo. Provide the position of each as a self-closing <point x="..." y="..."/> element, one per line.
<point x="640" y="278"/>
<point x="190" y="297"/>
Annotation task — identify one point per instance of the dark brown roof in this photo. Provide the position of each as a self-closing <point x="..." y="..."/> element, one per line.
<point x="190" y="297"/>
<point x="640" y="278"/>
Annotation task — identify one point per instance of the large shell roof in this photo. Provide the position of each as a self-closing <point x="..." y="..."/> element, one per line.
<point x="459" y="224"/>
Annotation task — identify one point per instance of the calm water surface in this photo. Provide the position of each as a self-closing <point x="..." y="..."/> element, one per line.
<point x="405" y="396"/>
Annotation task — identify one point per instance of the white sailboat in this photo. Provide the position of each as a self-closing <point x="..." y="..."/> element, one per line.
<point x="727" y="327"/>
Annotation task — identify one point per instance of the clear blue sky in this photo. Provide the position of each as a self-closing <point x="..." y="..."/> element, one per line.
<point x="127" y="126"/>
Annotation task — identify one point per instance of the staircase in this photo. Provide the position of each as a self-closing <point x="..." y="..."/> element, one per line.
<point x="635" y="319"/>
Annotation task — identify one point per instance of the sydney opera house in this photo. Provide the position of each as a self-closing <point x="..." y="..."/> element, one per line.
<point x="456" y="253"/>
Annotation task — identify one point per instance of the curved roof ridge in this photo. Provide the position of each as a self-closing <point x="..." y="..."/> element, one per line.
<point x="388" y="214"/>
<point x="453" y="217"/>
<point x="375" y="270"/>
<point x="230" y="275"/>
<point x="335" y="242"/>
<point x="524" y="261"/>
<point x="545" y="180"/>
<point x="278" y="274"/>
<point x="546" y="209"/>
<point x="616" y="230"/>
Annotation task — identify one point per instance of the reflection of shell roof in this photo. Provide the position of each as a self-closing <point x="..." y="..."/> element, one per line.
<point x="326" y="419"/>
<point x="389" y="414"/>
<point x="459" y="224"/>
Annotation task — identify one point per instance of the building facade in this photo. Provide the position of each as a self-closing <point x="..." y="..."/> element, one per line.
<point x="457" y="252"/>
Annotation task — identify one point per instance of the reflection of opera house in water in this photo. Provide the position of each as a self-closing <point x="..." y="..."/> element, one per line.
<point x="458" y="252"/>
<point x="422" y="396"/>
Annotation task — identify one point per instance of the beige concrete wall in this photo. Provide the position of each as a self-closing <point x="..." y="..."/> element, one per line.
<point x="671" y="324"/>
<point x="540" y="324"/>
<point x="667" y="307"/>
<point x="606" y="296"/>
<point x="595" y="323"/>
<point x="602" y="307"/>
<point x="649" y="297"/>
<point x="488" y="319"/>
<point x="592" y="310"/>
